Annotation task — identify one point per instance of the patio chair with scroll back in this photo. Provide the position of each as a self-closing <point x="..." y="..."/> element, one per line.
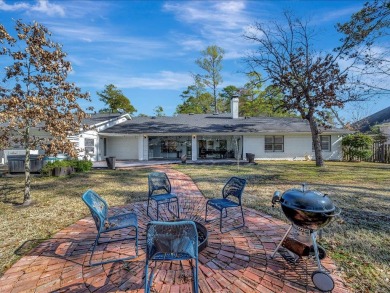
<point x="99" y="208"/>
<point x="171" y="241"/>
<point x="231" y="198"/>
<point x="160" y="192"/>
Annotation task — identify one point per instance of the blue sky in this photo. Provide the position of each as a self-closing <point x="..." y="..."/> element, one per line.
<point x="148" y="48"/>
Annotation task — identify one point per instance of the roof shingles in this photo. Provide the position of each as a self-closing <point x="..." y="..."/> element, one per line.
<point x="209" y="123"/>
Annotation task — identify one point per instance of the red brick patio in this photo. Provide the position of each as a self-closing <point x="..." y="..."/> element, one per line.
<point x="237" y="261"/>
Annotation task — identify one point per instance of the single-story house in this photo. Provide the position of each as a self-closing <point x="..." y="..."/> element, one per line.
<point x="203" y="136"/>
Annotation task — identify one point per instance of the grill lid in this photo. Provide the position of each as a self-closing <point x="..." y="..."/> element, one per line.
<point x="307" y="200"/>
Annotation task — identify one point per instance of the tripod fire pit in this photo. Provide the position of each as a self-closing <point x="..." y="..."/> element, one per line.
<point x="202" y="236"/>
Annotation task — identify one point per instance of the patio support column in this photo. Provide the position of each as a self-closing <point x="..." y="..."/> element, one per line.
<point x="142" y="147"/>
<point x="194" y="147"/>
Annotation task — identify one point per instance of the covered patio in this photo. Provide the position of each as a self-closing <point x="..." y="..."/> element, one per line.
<point x="236" y="261"/>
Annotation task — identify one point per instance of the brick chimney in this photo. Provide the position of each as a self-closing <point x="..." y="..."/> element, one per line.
<point x="234" y="106"/>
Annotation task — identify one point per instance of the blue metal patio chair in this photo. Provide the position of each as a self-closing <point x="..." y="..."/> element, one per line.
<point x="159" y="183"/>
<point x="231" y="198"/>
<point x="104" y="224"/>
<point x="171" y="241"/>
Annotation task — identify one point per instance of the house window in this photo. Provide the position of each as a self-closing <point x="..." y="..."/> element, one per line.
<point x="89" y="145"/>
<point x="274" y="143"/>
<point x="325" y="143"/>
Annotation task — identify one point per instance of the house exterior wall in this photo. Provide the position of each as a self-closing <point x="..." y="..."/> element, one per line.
<point x="123" y="148"/>
<point x="80" y="143"/>
<point x="296" y="147"/>
<point x="98" y="152"/>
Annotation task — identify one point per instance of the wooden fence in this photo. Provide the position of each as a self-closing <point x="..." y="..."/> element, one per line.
<point x="380" y="153"/>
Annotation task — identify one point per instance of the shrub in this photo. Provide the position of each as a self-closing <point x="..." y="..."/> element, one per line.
<point x="82" y="165"/>
<point x="79" y="165"/>
<point x="48" y="168"/>
<point x="357" y="147"/>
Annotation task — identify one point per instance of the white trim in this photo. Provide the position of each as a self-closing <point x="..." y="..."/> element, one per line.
<point x="105" y="134"/>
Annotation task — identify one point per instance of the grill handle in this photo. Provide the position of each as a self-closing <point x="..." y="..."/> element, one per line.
<point x="275" y="198"/>
<point x="336" y="213"/>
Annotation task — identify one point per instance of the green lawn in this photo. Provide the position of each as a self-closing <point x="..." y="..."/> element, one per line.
<point x="57" y="204"/>
<point x="359" y="241"/>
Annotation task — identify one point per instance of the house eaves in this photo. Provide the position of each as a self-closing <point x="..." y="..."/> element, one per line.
<point x="100" y="122"/>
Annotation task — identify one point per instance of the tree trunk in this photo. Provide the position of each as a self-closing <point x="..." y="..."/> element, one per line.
<point x="215" y="99"/>
<point x="27" y="182"/>
<point x="316" y="141"/>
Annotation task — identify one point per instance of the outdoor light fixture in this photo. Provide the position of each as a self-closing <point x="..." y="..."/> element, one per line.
<point x="145" y="136"/>
<point x="194" y="136"/>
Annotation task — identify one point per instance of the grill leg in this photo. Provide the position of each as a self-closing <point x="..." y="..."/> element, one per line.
<point x="281" y="241"/>
<point x="314" y="241"/>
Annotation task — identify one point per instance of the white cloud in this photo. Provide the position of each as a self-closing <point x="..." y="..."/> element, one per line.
<point x="189" y="43"/>
<point x="42" y="6"/>
<point x="215" y="22"/>
<point x="14" y="7"/>
<point x="336" y="15"/>
<point x="80" y="32"/>
<point x="229" y="15"/>
<point x="163" y="80"/>
<point x="103" y="40"/>
<point x="231" y="6"/>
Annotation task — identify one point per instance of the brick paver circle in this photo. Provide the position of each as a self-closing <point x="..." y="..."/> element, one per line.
<point x="236" y="261"/>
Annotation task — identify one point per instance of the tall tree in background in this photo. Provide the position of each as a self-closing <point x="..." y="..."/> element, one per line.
<point x="159" y="111"/>
<point x="115" y="100"/>
<point x="255" y="100"/>
<point x="225" y="96"/>
<point x="366" y="41"/>
<point x="34" y="93"/>
<point x="310" y="83"/>
<point x="211" y="62"/>
<point x="195" y="98"/>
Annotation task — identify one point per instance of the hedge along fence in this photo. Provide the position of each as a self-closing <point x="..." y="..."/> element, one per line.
<point x="356" y="147"/>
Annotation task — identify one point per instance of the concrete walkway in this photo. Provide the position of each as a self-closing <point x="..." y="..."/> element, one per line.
<point x="124" y="164"/>
<point x="237" y="261"/>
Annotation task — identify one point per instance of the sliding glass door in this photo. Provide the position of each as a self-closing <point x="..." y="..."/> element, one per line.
<point x="169" y="147"/>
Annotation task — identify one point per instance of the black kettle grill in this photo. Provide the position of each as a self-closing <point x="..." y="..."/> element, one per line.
<point x="308" y="211"/>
